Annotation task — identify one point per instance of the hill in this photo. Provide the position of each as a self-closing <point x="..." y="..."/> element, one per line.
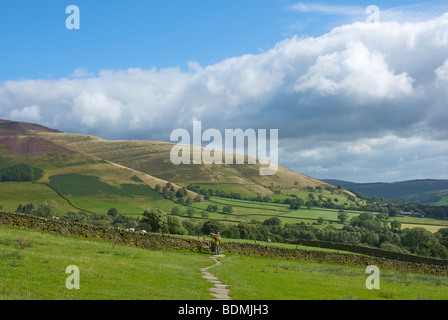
<point x="93" y="174"/>
<point x="427" y="191"/>
<point x="64" y="172"/>
<point x="153" y="158"/>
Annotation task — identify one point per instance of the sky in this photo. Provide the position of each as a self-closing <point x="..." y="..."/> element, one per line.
<point x="353" y="98"/>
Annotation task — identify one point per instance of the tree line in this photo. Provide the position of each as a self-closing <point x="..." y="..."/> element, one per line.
<point x="20" y="173"/>
<point x="374" y="230"/>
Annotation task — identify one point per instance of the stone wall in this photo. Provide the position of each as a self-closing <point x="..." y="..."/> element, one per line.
<point x="375" y="252"/>
<point x="163" y="242"/>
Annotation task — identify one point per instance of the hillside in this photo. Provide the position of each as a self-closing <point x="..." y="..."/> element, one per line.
<point x="153" y="158"/>
<point x="425" y="191"/>
<point x="89" y="173"/>
<point x="65" y="171"/>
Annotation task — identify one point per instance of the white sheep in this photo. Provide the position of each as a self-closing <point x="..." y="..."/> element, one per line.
<point x="131" y="229"/>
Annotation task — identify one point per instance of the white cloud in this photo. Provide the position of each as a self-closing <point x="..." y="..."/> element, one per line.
<point x="31" y="113"/>
<point x="354" y="71"/>
<point x="441" y="72"/>
<point x="81" y="73"/>
<point x="357" y="96"/>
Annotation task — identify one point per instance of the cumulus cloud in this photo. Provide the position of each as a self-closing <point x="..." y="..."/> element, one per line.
<point x="335" y="98"/>
<point x="356" y="71"/>
<point x="31" y="113"/>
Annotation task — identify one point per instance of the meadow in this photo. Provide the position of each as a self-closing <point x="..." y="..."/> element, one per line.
<point x="131" y="197"/>
<point x="262" y="278"/>
<point x="34" y="266"/>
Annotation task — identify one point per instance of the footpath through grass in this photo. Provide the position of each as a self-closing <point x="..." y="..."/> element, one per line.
<point x="33" y="265"/>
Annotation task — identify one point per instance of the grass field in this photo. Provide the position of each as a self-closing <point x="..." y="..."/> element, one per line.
<point x="106" y="272"/>
<point x="33" y="266"/>
<point x="14" y="193"/>
<point x="131" y="197"/>
<point x="262" y="278"/>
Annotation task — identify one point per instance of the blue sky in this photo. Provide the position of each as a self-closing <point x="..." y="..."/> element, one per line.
<point x="135" y="33"/>
<point x="120" y="34"/>
<point x="351" y="100"/>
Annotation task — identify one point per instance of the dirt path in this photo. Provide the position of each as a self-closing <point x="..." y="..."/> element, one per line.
<point x="219" y="291"/>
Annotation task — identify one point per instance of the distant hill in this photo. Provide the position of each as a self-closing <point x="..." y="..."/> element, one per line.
<point x="425" y="190"/>
<point x="15" y="127"/>
<point x="153" y="158"/>
<point x="115" y="172"/>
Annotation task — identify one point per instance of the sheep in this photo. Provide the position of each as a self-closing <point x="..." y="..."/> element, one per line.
<point x="132" y="229"/>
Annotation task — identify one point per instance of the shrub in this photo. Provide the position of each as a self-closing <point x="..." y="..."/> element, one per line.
<point x="157" y="219"/>
<point x="175" y="225"/>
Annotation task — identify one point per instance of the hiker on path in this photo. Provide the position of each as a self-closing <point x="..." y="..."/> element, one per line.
<point x="217" y="240"/>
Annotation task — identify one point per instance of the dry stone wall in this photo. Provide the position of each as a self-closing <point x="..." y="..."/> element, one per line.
<point x="161" y="241"/>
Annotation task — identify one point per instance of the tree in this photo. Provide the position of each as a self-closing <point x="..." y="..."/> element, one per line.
<point x="175" y="225"/>
<point x="190" y="212"/>
<point x="320" y="220"/>
<point x="182" y="192"/>
<point x="296" y="204"/>
<point x="156" y="219"/>
<point x="212" y="226"/>
<point x="266" y="199"/>
<point x="245" y="230"/>
<point x="442" y="234"/>
<point x="204" y="214"/>
<point x="417" y="238"/>
<point x="382" y="216"/>
<point x="212" y="208"/>
<point x="227" y="209"/>
<point x="393" y="212"/>
<point x="274" y="221"/>
<point x="112" y="212"/>
<point x="309" y="204"/>
<point x="175" y="211"/>
<point x="342" y="216"/>
<point x="395" y="225"/>
<point x="46" y="210"/>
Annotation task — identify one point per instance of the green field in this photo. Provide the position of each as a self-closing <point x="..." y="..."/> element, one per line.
<point x="128" y="201"/>
<point x="89" y="193"/>
<point x="14" y="193"/>
<point x="33" y="266"/>
<point x="106" y="271"/>
<point x="261" y="278"/>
